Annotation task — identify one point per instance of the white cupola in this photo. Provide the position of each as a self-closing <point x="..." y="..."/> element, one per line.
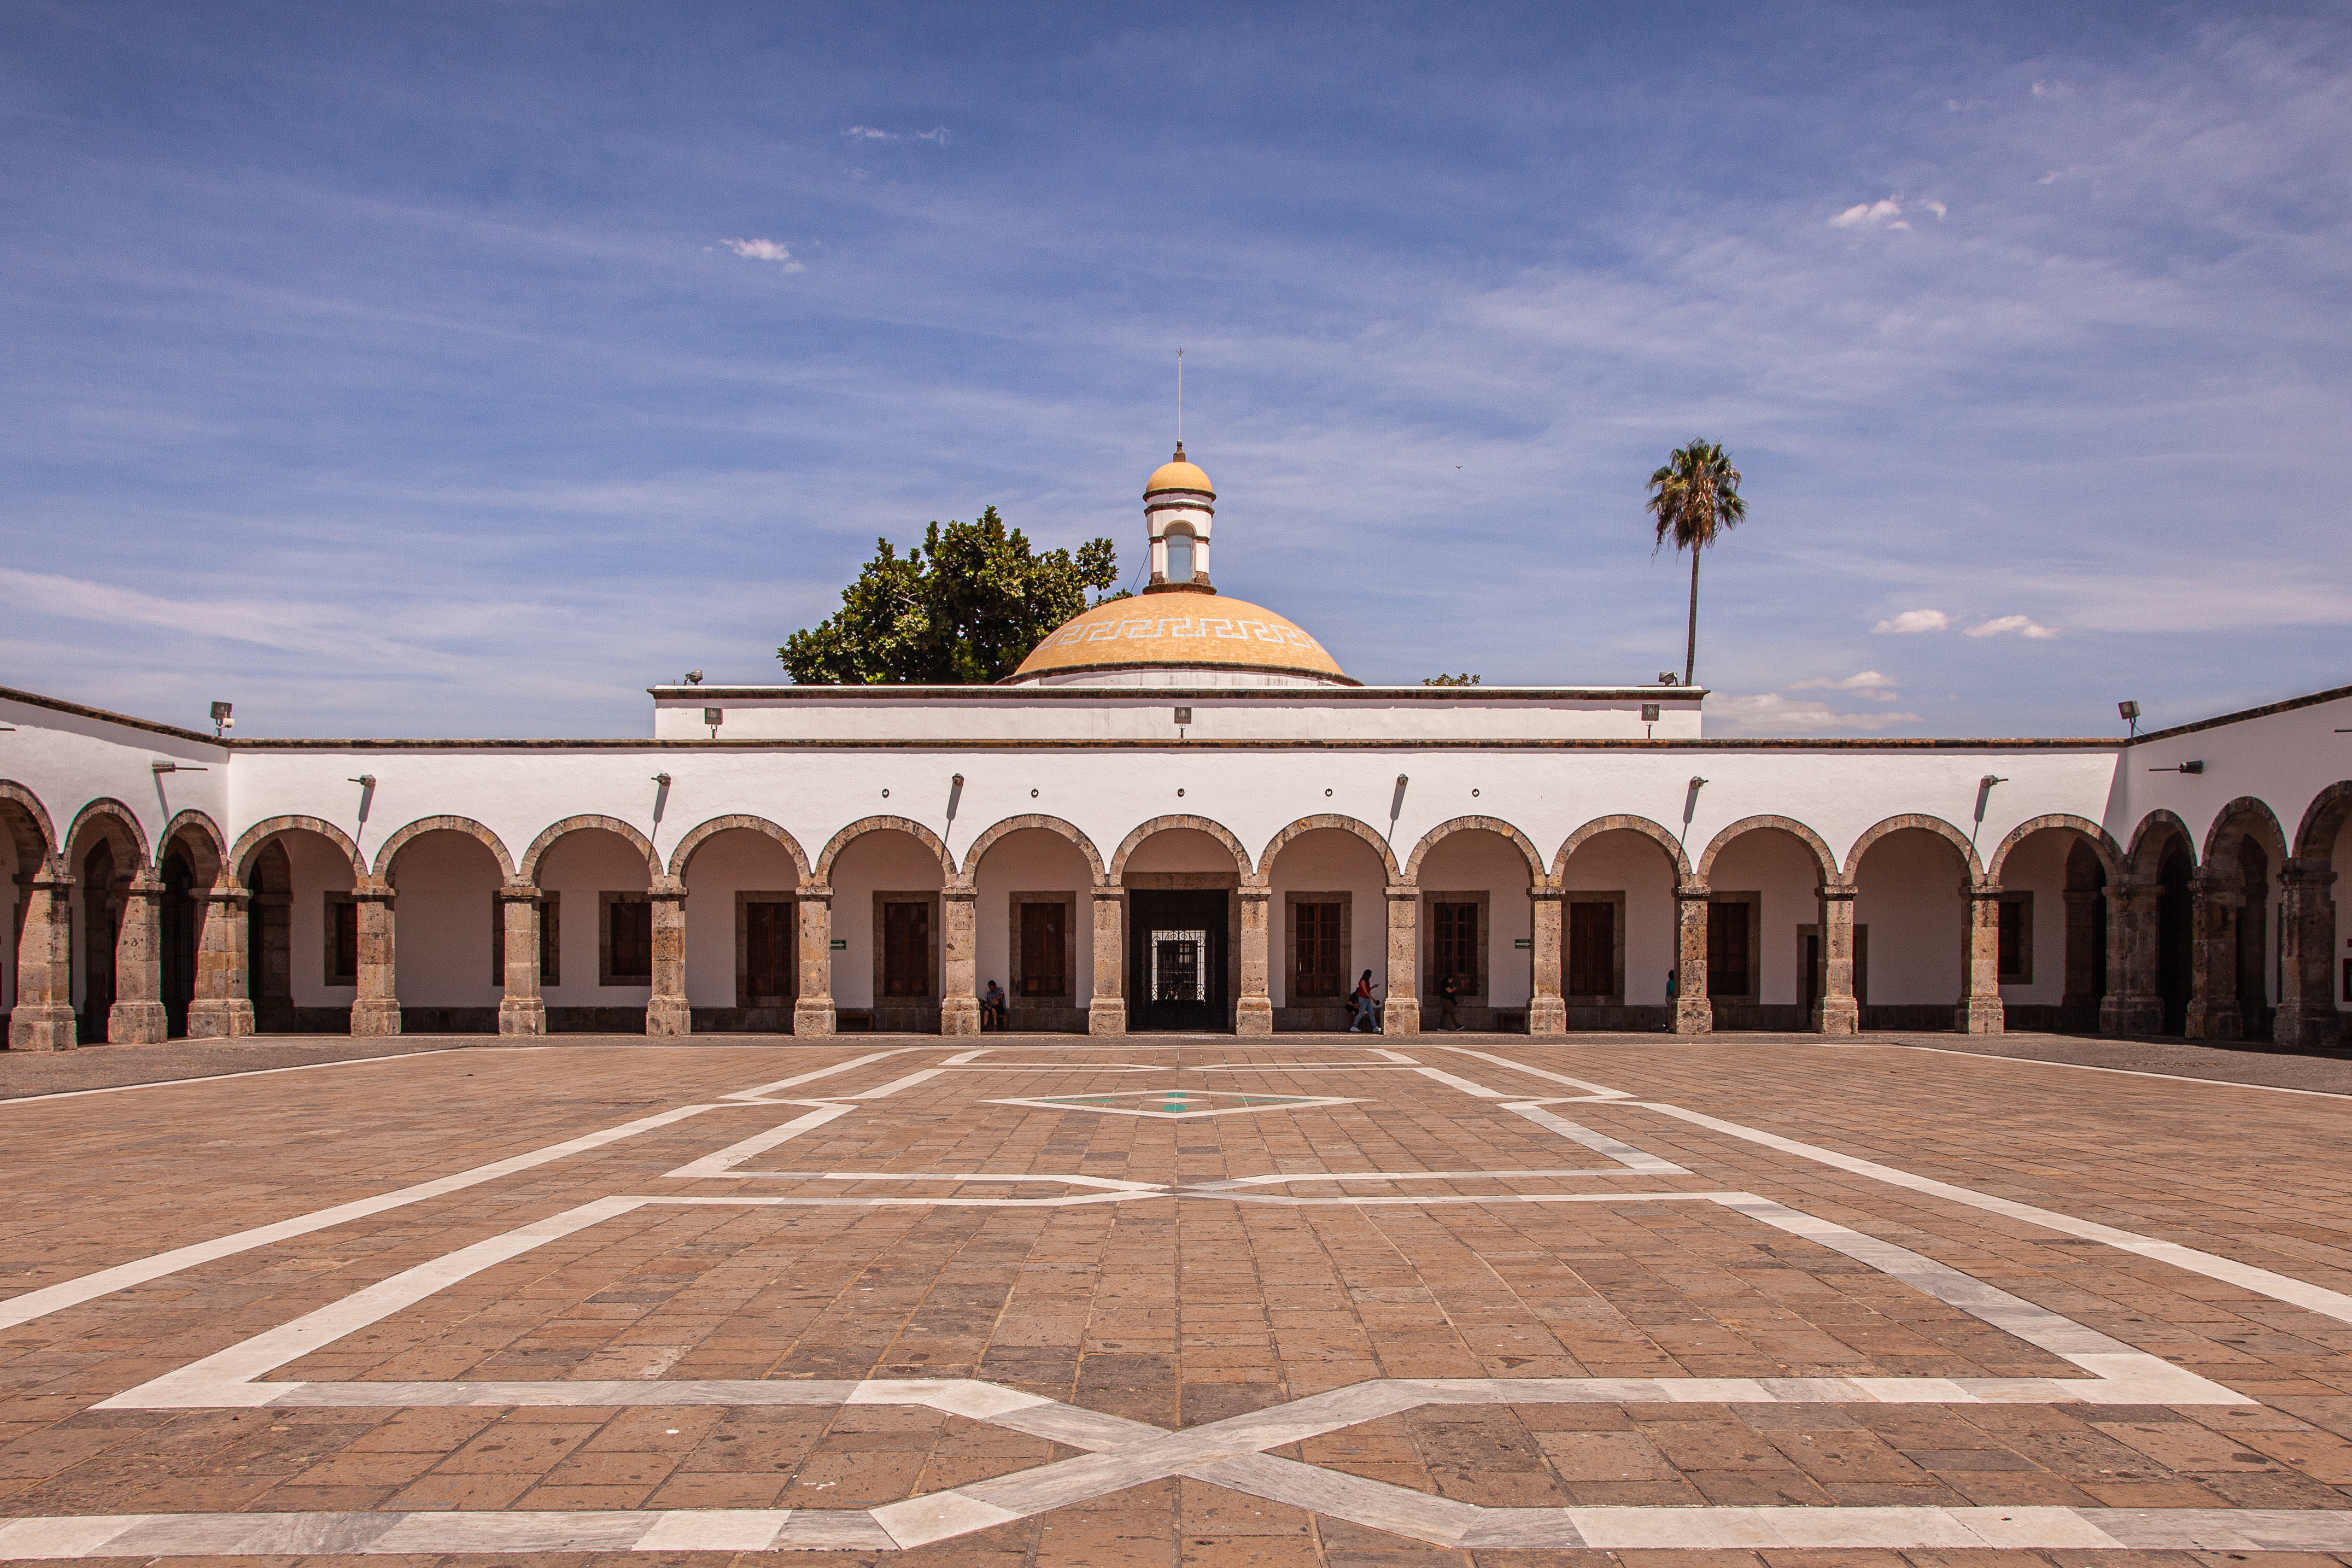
<point x="1178" y="507"/>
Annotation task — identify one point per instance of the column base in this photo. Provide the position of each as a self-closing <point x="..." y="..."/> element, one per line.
<point x="375" y="1015"/>
<point x="2214" y="1021"/>
<point x="960" y="1016"/>
<point x="37" y="1026"/>
<point x="1838" y="1016"/>
<point x="812" y="1015"/>
<point x="522" y="1015"/>
<point x="2300" y="1026"/>
<point x="1254" y="1016"/>
<point x="1693" y="1016"/>
<point x="669" y="1017"/>
<point x="1548" y="1016"/>
<point x="1401" y="1016"/>
<point x="1980" y="1015"/>
<point x="2132" y="1015"/>
<point x="1107" y="1015"/>
<point x="136" y="1024"/>
<point x="220" y="1020"/>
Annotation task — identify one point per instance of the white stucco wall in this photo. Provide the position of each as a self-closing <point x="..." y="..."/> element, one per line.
<point x="735" y="861"/>
<point x="1330" y="861"/>
<point x="1635" y="865"/>
<point x="1488" y="863"/>
<point x="1907" y="891"/>
<point x="1034" y="861"/>
<point x="318" y="868"/>
<point x="442" y="922"/>
<point x="879" y="862"/>
<point x="2038" y="866"/>
<point x="577" y="867"/>
<point x="1778" y="865"/>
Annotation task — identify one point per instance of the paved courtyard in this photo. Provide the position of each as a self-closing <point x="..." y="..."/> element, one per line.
<point x="1161" y="1300"/>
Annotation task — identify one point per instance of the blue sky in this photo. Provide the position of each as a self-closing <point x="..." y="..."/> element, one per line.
<point x="463" y="370"/>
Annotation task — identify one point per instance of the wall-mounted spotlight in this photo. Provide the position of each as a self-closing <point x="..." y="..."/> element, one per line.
<point x="164" y="767"/>
<point x="222" y="719"/>
<point x="1696" y="782"/>
<point x="662" y="779"/>
<point x="957" y="781"/>
<point x="366" y="780"/>
<point x="1991" y="779"/>
<point x="1667" y="677"/>
<point x="1403" y="779"/>
<point x="2130" y="712"/>
<point x="694" y="677"/>
<point x="714" y="717"/>
<point x="2192" y="767"/>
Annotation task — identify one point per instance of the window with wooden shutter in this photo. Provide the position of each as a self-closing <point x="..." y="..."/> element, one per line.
<point x="1044" y="941"/>
<point x="630" y="939"/>
<point x="1319" y="962"/>
<point x="907" y="950"/>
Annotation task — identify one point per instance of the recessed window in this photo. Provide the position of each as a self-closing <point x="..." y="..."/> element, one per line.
<point x="1179" y="558"/>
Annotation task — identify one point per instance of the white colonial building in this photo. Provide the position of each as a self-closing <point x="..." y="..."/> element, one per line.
<point x="1181" y="815"/>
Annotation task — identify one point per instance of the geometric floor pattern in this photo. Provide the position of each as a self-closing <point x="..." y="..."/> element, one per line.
<point x="1177" y="1300"/>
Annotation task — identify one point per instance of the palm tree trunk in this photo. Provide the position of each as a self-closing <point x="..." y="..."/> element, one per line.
<point x="1690" y="648"/>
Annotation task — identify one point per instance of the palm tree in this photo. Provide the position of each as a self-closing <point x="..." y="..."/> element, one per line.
<point x="1695" y="498"/>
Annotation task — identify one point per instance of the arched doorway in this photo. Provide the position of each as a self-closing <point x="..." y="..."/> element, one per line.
<point x="2175" y="933"/>
<point x="177" y="926"/>
<point x="101" y="931"/>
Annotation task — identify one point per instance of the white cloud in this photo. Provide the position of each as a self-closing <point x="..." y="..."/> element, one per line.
<point x="1869" y="683"/>
<point x="867" y="134"/>
<point x="937" y="135"/>
<point x="2017" y="623"/>
<point x="764" y="250"/>
<point x="1916" y="621"/>
<point x="1770" y="713"/>
<point x="1885" y="214"/>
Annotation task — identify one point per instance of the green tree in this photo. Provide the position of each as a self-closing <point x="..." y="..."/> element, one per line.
<point x="1464" y="678"/>
<point x="963" y="608"/>
<point x="1694" y="499"/>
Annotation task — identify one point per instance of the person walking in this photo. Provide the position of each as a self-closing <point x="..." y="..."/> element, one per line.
<point x="1368" y="1009"/>
<point x="1449" y="997"/>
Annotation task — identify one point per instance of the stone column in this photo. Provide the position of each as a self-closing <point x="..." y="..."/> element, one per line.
<point x="959" y="962"/>
<point x="44" y="1015"/>
<point x="1835" y="1010"/>
<point x="666" y="1012"/>
<point x="1693" y="1014"/>
<point x="2079" y="1006"/>
<point x="1402" y="1014"/>
<point x="812" y="1008"/>
<point x="137" y="1017"/>
<point x="522" y="1010"/>
<point x="376" y="1010"/>
<point x="1254" y="1008"/>
<point x="2133" y="1004"/>
<point x="1107" y="1013"/>
<point x="2213" y="1011"/>
<point x="223" y="1006"/>
<point x="1546" y="1012"/>
<point x="2307" y="1019"/>
<point x="1981" y="1010"/>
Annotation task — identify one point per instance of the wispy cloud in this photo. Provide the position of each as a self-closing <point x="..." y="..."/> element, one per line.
<point x="938" y="135"/>
<point x="1770" y="713"/>
<point x="1885" y="212"/>
<point x="2022" y="626"/>
<point x="764" y="250"/>
<point x="1912" y="622"/>
<point x="1869" y="683"/>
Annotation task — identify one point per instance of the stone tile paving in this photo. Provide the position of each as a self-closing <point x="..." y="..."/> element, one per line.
<point x="1175" y="1312"/>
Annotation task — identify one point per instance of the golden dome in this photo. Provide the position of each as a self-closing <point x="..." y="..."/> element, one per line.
<point x="1180" y="631"/>
<point x="1177" y="475"/>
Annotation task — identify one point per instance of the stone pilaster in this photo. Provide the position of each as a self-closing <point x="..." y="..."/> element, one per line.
<point x="1693" y="1014"/>
<point x="958" y="963"/>
<point x="1980" y="1011"/>
<point x="1835" y="1010"/>
<point x="376" y="1009"/>
<point x="2133" y="1004"/>
<point x="137" y="1017"/>
<point x="43" y="1019"/>
<point x="1403" y="1013"/>
<point x="1546" y="1012"/>
<point x="521" y="1010"/>
<point x="2307" y="1019"/>
<point x="223" y="1006"/>
<point x="1254" y="1007"/>
<point x="2213" y="1011"/>
<point x="812" y="1008"/>
<point x="1107" y="1013"/>
<point x="667" y="1011"/>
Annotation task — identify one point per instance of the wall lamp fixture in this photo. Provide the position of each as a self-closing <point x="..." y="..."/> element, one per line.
<point x="366" y="780"/>
<point x="2195" y="767"/>
<point x="162" y="767"/>
<point x="1991" y="779"/>
<point x="222" y="719"/>
<point x="1403" y="779"/>
<point x="1696" y="782"/>
<point x="2130" y="712"/>
<point x="662" y="779"/>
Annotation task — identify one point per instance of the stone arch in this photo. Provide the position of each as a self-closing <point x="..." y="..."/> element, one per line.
<point x="1823" y="861"/>
<point x="1494" y="824"/>
<point x="1215" y="830"/>
<point x="203" y="834"/>
<point x="1675" y="854"/>
<point x="37" y="838"/>
<point x="679" y="857"/>
<point x="2252" y="816"/>
<point x="529" y="871"/>
<point x="865" y="824"/>
<point x="2315" y="836"/>
<point x="107" y="808"/>
<point x="1926" y="823"/>
<point x="1320" y="821"/>
<point x="393" y="846"/>
<point x="2100" y="841"/>
<point x="250" y="842"/>
<point x="2150" y="835"/>
<point x="1012" y="825"/>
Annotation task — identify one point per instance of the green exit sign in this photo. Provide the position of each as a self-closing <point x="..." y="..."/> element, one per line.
<point x="841" y="945"/>
<point x="1522" y="942"/>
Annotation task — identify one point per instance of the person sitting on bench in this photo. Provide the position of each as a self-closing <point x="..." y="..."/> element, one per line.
<point x="992" y="1012"/>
